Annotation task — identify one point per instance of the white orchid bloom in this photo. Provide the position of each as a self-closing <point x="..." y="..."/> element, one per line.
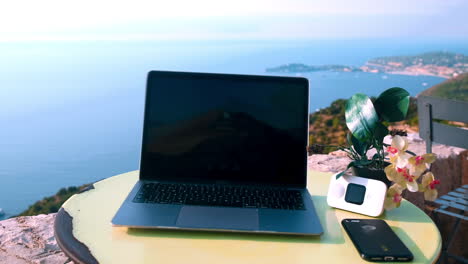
<point x="398" y="151"/>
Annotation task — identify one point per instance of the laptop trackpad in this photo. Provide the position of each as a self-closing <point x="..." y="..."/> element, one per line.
<point x="218" y="218"/>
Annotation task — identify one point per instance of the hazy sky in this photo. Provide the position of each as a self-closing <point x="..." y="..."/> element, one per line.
<point x="239" y="19"/>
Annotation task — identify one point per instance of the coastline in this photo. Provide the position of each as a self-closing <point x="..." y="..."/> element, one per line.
<point x="406" y="73"/>
<point x="414" y="70"/>
<point x="415" y="74"/>
<point x="441" y="64"/>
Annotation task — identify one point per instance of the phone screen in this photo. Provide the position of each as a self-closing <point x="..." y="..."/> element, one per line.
<point x="375" y="240"/>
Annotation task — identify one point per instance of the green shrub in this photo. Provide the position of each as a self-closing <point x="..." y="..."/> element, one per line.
<point x="53" y="203"/>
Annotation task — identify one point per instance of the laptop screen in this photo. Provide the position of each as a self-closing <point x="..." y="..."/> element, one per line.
<point x="221" y="128"/>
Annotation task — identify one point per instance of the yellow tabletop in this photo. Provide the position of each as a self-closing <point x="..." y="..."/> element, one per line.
<point x="92" y="211"/>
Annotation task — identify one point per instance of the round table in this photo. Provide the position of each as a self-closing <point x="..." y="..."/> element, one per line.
<point x="84" y="232"/>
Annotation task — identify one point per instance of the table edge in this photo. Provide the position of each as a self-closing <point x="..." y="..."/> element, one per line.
<point x="72" y="247"/>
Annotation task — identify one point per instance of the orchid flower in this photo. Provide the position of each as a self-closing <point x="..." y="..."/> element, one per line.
<point x="393" y="175"/>
<point x="405" y="170"/>
<point x="398" y="151"/>
<point x="402" y="176"/>
<point x="393" y="197"/>
<point x="419" y="164"/>
<point x="428" y="186"/>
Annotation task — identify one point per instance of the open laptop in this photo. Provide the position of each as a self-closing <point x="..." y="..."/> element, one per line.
<point x="223" y="152"/>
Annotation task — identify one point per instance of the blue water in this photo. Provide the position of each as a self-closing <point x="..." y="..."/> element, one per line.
<point x="71" y="113"/>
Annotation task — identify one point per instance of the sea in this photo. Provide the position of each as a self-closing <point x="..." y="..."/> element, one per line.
<point x="71" y="112"/>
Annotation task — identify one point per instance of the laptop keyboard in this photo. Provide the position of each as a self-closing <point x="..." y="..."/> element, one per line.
<point x="219" y="195"/>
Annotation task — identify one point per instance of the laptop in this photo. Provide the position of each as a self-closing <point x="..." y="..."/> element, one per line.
<point x="223" y="152"/>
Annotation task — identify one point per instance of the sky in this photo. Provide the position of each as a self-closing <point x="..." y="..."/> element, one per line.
<point x="22" y="20"/>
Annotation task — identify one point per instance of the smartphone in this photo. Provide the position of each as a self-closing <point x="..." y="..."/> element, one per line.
<point x="376" y="241"/>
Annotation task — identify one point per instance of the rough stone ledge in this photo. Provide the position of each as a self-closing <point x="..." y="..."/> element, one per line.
<point x="337" y="161"/>
<point x="30" y="239"/>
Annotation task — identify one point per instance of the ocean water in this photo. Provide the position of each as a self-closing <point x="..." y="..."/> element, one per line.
<point x="71" y="112"/>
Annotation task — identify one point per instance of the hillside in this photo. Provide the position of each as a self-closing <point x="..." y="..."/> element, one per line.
<point x="328" y="126"/>
<point x="455" y="88"/>
<point x="52" y="204"/>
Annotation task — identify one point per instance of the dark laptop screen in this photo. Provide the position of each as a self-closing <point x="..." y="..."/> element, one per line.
<point x="225" y="128"/>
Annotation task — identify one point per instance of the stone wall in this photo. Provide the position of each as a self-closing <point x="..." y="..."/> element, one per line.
<point x="30" y="239"/>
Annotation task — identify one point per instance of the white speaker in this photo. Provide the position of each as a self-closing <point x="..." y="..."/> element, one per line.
<point x="357" y="194"/>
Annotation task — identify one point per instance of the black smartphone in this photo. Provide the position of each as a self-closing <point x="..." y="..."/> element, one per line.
<point x="376" y="241"/>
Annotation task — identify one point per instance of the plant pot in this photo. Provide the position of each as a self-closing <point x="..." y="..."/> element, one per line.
<point x="372" y="173"/>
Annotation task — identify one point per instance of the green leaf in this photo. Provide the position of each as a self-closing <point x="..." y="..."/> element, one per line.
<point x="347" y="168"/>
<point x="380" y="132"/>
<point x="392" y="105"/>
<point x="359" y="146"/>
<point x="361" y="117"/>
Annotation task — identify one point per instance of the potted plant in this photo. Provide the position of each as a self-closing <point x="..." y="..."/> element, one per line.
<point x="366" y="121"/>
<point x="393" y="164"/>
